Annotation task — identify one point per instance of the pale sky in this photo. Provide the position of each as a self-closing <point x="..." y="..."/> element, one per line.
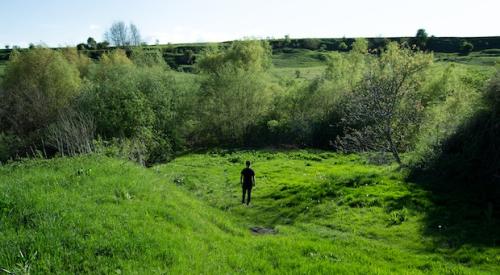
<point x="62" y="23"/>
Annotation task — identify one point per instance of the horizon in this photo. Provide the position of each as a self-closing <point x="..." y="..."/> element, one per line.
<point x="58" y="23"/>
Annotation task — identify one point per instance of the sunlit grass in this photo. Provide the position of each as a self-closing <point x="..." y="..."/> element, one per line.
<point x="333" y="214"/>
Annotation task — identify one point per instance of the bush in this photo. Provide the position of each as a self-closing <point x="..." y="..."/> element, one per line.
<point x="466" y="47"/>
<point x="311" y="43"/>
<point x="116" y="103"/>
<point x="37" y="84"/>
<point x="8" y="146"/>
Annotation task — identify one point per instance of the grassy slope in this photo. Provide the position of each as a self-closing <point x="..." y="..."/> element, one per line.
<point x="307" y="62"/>
<point x="333" y="214"/>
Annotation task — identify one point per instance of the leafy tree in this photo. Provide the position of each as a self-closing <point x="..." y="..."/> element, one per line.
<point x="148" y="57"/>
<point x="421" y="39"/>
<point x="102" y="45"/>
<point x="37" y="85"/>
<point x="310" y="112"/>
<point x="189" y="57"/>
<point x="81" y="46"/>
<point x="360" y="45"/>
<point x="385" y="110"/>
<point x="230" y="102"/>
<point x="91" y="43"/>
<point x="234" y="92"/>
<point x="119" y="108"/>
<point x="311" y="43"/>
<point x="287" y="41"/>
<point x="116" y="57"/>
<point x="81" y="61"/>
<point x="343" y="46"/>
<point x="248" y="55"/>
<point x="466" y="47"/>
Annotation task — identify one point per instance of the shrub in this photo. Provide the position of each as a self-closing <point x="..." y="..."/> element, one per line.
<point x="37" y="84"/>
<point x="466" y="47"/>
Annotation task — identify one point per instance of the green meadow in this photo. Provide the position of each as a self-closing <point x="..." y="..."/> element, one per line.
<point x="324" y="213"/>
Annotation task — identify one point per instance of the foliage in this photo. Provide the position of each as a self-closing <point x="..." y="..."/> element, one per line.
<point x="36" y="85"/>
<point x="466" y="47"/>
<point x="143" y="57"/>
<point x="385" y="111"/>
<point x="311" y="43"/>
<point x="119" y="107"/>
<point x="81" y="61"/>
<point x="451" y="95"/>
<point x="421" y="39"/>
<point x="248" y="55"/>
<point x="230" y="102"/>
<point x="234" y="92"/>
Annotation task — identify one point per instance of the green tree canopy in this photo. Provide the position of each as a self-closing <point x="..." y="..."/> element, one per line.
<point x="37" y="85"/>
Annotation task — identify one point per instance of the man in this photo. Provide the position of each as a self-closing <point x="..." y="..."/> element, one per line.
<point x="247" y="180"/>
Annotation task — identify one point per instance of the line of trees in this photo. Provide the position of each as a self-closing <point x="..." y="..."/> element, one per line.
<point x="395" y="101"/>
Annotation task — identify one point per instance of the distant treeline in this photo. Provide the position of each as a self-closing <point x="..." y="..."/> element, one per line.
<point x="179" y="55"/>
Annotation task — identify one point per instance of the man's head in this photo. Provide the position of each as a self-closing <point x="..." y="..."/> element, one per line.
<point x="247" y="163"/>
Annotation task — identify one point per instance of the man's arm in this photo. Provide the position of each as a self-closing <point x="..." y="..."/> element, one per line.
<point x="253" y="180"/>
<point x="241" y="179"/>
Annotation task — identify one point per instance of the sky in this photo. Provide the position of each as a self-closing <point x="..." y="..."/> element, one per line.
<point x="67" y="23"/>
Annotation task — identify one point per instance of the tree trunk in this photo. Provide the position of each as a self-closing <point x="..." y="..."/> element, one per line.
<point x="392" y="146"/>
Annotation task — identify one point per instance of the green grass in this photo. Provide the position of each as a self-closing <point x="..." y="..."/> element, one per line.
<point x="305" y="72"/>
<point x="299" y="58"/>
<point x="486" y="58"/>
<point x="333" y="213"/>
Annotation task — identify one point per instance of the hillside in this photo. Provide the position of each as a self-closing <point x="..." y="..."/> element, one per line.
<point x="330" y="213"/>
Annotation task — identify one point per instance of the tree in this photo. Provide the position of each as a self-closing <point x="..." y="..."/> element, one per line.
<point x="248" y="55"/>
<point x="421" y="39"/>
<point x="117" y="104"/>
<point x="189" y="57"/>
<point x="102" y="45"/>
<point x="81" y="46"/>
<point x="135" y="36"/>
<point x="118" y="34"/>
<point x="37" y="85"/>
<point x="148" y="57"/>
<point x="343" y="46"/>
<point x="466" y="47"/>
<point x="311" y="43"/>
<point x="91" y="43"/>
<point x="287" y="41"/>
<point x="80" y="60"/>
<point x="384" y="112"/>
<point x="233" y="92"/>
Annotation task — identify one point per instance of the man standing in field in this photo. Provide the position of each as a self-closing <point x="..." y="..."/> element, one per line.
<point x="247" y="180"/>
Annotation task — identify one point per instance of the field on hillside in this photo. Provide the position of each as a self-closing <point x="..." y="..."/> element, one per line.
<point x="329" y="213"/>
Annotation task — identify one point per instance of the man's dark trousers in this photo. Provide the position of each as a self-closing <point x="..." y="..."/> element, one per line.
<point x="246" y="189"/>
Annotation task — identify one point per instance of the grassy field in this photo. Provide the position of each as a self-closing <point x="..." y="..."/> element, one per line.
<point x="330" y="214"/>
<point x="485" y="58"/>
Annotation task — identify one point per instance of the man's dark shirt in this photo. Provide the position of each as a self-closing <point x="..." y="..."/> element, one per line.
<point x="247" y="177"/>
